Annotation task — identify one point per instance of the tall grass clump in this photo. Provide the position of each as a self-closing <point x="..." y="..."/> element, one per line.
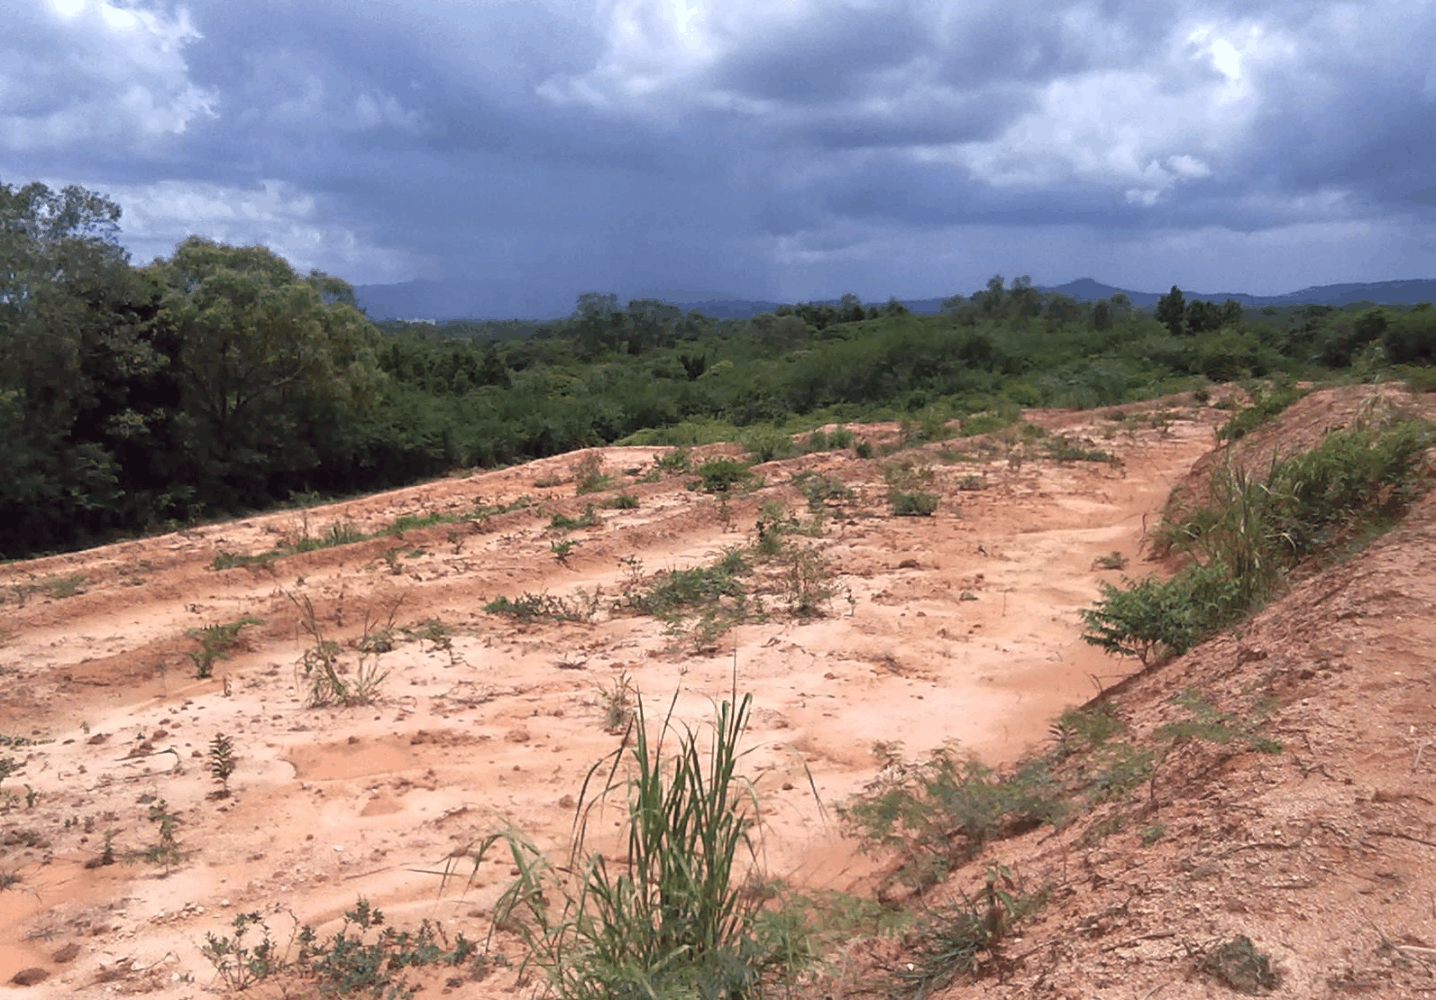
<point x="674" y="915"/>
<point x="1255" y="530"/>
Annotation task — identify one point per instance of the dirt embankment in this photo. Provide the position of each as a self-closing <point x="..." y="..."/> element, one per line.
<point x="958" y="627"/>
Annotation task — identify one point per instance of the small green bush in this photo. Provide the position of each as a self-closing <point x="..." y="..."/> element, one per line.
<point x="721" y="475"/>
<point x="216" y="642"/>
<point x="767" y="445"/>
<point x="529" y="608"/>
<point x="672" y="461"/>
<point x="913" y="504"/>
<point x="562" y="522"/>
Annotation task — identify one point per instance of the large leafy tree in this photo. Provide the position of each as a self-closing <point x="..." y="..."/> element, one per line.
<point x="87" y="397"/>
<point x="271" y="362"/>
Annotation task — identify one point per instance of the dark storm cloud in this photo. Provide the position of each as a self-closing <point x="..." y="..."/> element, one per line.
<point x="535" y="150"/>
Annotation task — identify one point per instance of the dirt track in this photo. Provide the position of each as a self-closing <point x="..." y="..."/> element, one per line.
<point x="960" y="627"/>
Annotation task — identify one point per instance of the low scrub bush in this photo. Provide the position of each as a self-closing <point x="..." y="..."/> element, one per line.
<point x="364" y="958"/>
<point x="767" y="444"/>
<point x="562" y="522"/>
<point x="955" y="939"/>
<point x="913" y="504"/>
<point x="722" y="475"/>
<point x="819" y="490"/>
<point x="321" y="672"/>
<point x="529" y="608"/>
<point x="588" y="474"/>
<point x="938" y="814"/>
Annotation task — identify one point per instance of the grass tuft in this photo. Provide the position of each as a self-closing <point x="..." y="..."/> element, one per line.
<point x="673" y="915"/>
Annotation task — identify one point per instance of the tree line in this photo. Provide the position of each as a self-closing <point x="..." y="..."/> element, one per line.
<point x="220" y="379"/>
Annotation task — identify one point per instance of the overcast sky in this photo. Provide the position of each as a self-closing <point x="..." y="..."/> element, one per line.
<point x="788" y="149"/>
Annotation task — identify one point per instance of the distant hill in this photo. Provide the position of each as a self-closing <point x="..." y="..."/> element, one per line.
<point x="443" y="300"/>
<point x="1385" y="292"/>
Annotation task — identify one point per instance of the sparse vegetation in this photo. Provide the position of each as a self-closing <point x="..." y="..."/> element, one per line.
<point x="936" y="814"/>
<point x="56" y="586"/>
<point x="907" y="495"/>
<point x="588" y="475"/>
<point x="166" y="849"/>
<point x="820" y="490"/>
<point x="919" y="503"/>
<point x="322" y="674"/>
<point x="939" y="813"/>
<point x="1254" y="531"/>
<point x="1266" y="404"/>
<point x="958" y="939"/>
<point x="1238" y="965"/>
<point x="617" y="703"/>
<point x="238" y="963"/>
<point x="675" y="461"/>
<point x="808" y="583"/>
<point x="364" y="958"/>
<point x="530" y="607"/>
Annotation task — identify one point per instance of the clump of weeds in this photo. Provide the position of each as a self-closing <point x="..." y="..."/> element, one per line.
<point x="323" y="675"/>
<point x="216" y="642"/>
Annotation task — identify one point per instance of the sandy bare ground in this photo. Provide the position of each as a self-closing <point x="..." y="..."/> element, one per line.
<point x="960" y="627"/>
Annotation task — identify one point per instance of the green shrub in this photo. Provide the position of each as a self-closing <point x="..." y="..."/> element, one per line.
<point x="913" y="504"/>
<point x="682" y="589"/>
<point x="588" y="474"/>
<point x="672" y="461"/>
<point x="1156" y="618"/>
<point x="818" y="489"/>
<point x="955" y="937"/>
<point x="994" y="420"/>
<point x="839" y="438"/>
<point x="562" y="522"/>
<point x="721" y="475"/>
<point x="766" y="445"/>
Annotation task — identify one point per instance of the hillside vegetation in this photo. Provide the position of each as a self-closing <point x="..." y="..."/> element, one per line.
<point x="220" y="380"/>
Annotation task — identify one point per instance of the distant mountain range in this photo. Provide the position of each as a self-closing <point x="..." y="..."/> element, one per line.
<point x="434" y="300"/>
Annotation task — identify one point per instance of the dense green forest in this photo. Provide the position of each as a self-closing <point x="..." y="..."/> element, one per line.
<point x="220" y="380"/>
